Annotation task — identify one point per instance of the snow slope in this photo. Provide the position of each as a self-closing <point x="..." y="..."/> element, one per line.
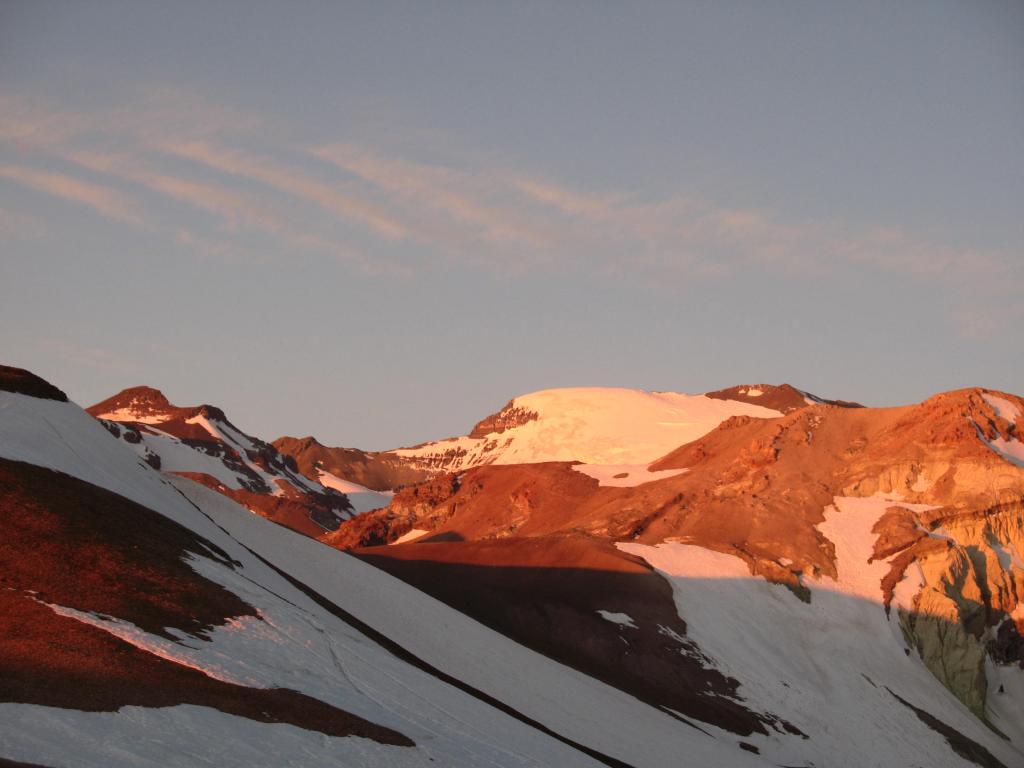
<point x="362" y="498"/>
<point x="594" y="425"/>
<point x="833" y="667"/>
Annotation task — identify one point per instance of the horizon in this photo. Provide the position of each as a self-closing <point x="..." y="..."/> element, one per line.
<point x="377" y="224"/>
<point x="452" y="434"/>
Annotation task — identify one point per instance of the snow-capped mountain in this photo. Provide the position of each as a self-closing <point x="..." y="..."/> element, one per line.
<point x="601" y="426"/>
<point x="812" y="586"/>
<point x="202" y="444"/>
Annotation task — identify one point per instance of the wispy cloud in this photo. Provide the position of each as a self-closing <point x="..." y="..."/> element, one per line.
<point x="291" y="181"/>
<point x="234" y="206"/>
<point x="104" y="200"/>
<point x="459" y="198"/>
<point x="380" y="212"/>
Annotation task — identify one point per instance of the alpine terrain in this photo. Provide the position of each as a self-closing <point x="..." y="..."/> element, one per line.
<point x="755" y="576"/>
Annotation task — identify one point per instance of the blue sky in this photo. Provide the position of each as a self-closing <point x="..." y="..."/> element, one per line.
<point x="378" y="222"/>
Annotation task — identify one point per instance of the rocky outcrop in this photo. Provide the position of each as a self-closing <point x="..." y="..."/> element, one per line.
<point x="509" y="417"/>
<point x="422" y="506"/>
<point x="784" y="398"/>
<point x="376" y="470"/>
<point x="969" y="588"/>
<point x="201" y="443"/>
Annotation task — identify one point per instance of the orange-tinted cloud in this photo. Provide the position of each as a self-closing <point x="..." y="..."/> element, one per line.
<point x="104" y="200"/>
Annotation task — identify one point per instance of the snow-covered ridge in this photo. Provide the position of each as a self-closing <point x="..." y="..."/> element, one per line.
<point x="593" y="425"/>
<point x="201" y="442"/>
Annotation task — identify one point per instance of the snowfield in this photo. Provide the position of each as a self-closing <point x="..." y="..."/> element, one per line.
<point x="624" y="475"/>
<point x="594" y="425"/>
<point x="362" y="498"/>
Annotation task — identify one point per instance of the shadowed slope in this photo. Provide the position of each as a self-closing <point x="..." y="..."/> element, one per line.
<point x="549" y="594"/>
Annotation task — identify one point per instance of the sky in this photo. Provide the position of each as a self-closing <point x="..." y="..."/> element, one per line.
<point x="377" y="222"/>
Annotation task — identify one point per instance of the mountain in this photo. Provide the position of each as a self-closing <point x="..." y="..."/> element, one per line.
<point x="784" y="398"/>
<point x="818" y="585"/>
<point x="603" y="426"/>
<point x="202" y="444"/>
<point x="379" y="471"/>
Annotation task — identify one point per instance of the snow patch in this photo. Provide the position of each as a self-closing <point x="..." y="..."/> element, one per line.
<point x="1012" y="450"/>
<point x="362" y="498"/>
<point x="624" y="475"/>
<point x="622" y="619"/>
<point x="848" y="523"/>
<point x="179" y="653"/>
<point x="241" y="444"/>
<point x="1004" y="408"/>
<point x="128" y="414"/>
<point x="411" y="535"/>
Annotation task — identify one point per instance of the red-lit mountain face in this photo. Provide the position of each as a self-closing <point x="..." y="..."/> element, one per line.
<point x="202" y="444"/>
<point x="596" y="425"/>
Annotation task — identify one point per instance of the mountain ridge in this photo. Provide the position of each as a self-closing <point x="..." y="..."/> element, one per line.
<point x="713" y="611"/>
<point x="200" y="442"/>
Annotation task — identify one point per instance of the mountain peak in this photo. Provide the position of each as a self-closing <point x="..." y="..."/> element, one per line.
<point x="142" y="403"/>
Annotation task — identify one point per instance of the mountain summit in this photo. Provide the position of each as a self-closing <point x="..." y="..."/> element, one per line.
<point x="200" y="443"/>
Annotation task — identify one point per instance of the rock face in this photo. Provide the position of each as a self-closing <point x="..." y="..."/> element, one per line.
<point x="202" y="444"/>
<point x="509" y="417"/>
<point x="784" y="398"/>
<point x="376" y="470"/>
<point x="970" y="593"/>
<point x="421" y="505"/>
